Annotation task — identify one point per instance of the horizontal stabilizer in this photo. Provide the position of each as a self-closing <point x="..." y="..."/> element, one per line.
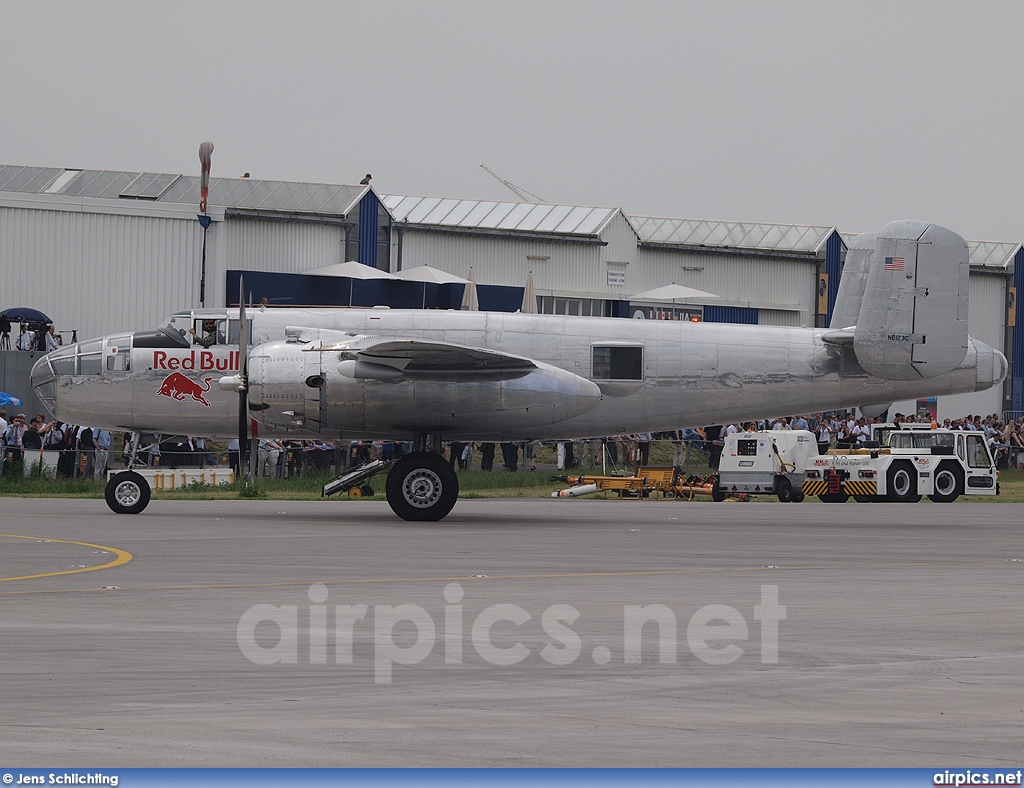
<point x="913" y="316"/>
<point x="839" y="336"/>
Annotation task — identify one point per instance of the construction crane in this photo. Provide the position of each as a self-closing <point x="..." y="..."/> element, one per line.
<point x="522" y="194"/>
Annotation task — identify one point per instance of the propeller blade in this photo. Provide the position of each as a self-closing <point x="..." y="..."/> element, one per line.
<point x="243" y="392"/>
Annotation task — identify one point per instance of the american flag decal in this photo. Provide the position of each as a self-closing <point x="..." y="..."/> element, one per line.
<point x="894" y="263"/>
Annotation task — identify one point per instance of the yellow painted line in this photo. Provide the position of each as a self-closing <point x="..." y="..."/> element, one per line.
<point x="121" y="557"/>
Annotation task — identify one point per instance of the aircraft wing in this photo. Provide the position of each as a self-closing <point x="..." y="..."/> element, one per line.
<point x="389" y="357"/>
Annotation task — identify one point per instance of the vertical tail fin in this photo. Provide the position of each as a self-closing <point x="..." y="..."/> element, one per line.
<point x="859" y="254"/>
<point x="913" y="316"/>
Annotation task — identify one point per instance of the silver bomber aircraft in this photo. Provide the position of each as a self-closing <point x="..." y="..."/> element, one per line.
<point x="899" y="332"/>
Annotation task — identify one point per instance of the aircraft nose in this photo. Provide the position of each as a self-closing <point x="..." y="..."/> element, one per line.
<point x="44" y="379"/>
<point x="47" y="371"/>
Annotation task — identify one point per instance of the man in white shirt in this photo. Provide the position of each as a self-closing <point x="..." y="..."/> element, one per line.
<point x="51" y="340"/>
<point x="26" y="339"/>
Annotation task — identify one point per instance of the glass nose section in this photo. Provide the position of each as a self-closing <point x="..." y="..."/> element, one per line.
<point x="44" y="379"/>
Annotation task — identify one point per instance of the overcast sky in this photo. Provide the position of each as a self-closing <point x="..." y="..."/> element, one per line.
<point x="851" y="114"/>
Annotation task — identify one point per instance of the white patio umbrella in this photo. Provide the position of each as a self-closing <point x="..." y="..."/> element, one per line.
<point x="673" y="293"/>
<point x="425" y="273"/>
<point x="429" y="275"/>
<point x="470" y="302"/>
<point x="353" y="270"/>
<point x="529" y="306"/>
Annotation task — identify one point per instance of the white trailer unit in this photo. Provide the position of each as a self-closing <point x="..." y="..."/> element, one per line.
<point x="764" y="463"/>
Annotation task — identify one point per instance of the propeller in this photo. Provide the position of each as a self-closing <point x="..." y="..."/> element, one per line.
<point x="243" y="389"/>
<point x="240" y="384"/>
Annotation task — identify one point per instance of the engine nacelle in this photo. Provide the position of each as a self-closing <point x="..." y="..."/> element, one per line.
<point x="299" y="388"/>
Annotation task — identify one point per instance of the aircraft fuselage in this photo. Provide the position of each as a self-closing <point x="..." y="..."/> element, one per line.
<point x="588" y="377"/>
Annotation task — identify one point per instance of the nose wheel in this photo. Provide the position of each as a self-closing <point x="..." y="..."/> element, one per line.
<point x="127" y="493"/>
<point x="422" y="487"/>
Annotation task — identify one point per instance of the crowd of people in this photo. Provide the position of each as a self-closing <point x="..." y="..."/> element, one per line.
<point x="78" y="452"/>
<point x="85" y="452"/>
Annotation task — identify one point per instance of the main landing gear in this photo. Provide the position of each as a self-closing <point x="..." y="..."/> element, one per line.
<point x="420" y="487"/>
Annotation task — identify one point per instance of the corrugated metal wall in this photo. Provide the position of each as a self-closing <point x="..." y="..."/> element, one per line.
<point x="96" y="272"/>
<point x="103" y="272"/>
<point x="255" y="245"/>
<point x="753" y="281"/>
<point x="778" y="317"/>
<point x="556" y="267"/>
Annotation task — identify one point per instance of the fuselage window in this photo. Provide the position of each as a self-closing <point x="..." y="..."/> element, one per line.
<point x="618" y="363"/>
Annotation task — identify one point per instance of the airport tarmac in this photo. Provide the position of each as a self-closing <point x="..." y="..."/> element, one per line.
<point x="507" y="635"/>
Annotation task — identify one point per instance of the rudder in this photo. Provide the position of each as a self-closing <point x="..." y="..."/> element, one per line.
<point x="913" y="317"/>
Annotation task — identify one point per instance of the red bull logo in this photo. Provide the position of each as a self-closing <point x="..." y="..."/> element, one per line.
<point x="201" y="361"/>
<point x="178" y="387"/>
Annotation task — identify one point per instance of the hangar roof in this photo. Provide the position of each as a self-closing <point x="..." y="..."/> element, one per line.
<point x="790" y="238"/>
<point x="513" y="217"/>
<point x="989" y="255"/>
<point x="248" y="194"/>
<point x="992" y="254"/>
<point x="253" y="195"/>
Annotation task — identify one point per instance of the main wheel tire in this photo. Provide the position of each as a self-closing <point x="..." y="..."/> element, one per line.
<point x="783" y="489"/>
<point x="949" y="484"/>
<point x="834" y="498"/>
<point x="798" y="496"/>
<point x="127" y="493"/>
<point x="422" y="487"/>
<point x="901" y="483"/>
<point x="716" y="491"/>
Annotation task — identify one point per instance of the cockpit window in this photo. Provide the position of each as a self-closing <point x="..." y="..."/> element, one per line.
<point x="160" y="337"/>
<point x="208" y="332"/>
<point x="90" y="354"/>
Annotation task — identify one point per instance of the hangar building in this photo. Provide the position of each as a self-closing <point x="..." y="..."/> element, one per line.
<point x="103" y="251"/>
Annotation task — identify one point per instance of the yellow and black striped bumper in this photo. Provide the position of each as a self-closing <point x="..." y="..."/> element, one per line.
<point x="849" y="487"/>
<point x="860" y="488"/>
